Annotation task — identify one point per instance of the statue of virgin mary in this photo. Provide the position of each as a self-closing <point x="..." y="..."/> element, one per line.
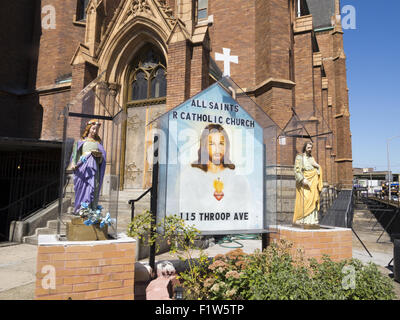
<point x="88" y="163"/>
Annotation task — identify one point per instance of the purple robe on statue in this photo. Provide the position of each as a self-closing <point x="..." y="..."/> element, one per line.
<point x="85" y="177"/>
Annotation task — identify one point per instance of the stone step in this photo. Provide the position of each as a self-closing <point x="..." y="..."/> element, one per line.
<point x="51" y="228"/>
<point x="49" y="231"/>
<point x="31" y="240"/>
<point x="124" y="215"/>
<point x="52" y="224"/>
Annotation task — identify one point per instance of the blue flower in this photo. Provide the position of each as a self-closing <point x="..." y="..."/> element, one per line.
<point x="88" y="222"/>
<point x="106" y="220"/>
<point x="84" y="205"/>
<point x="83" y="159"/>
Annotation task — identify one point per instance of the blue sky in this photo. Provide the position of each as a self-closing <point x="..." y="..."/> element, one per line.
<point x="373" y="71"/>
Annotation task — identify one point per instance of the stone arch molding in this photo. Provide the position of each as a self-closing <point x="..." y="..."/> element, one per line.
<point x="116" y="59"/>
<point x="135" y="22"/>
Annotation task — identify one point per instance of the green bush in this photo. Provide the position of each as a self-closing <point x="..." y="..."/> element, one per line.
<point x="276" y="274"/>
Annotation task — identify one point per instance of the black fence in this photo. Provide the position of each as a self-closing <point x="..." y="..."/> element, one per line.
<point x="29" y="181"/>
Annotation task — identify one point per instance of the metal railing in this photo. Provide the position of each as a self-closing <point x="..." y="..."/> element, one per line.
<point x="133" y="201"/>
<point x="25" y="206"/>
<point x="340" y="213"/>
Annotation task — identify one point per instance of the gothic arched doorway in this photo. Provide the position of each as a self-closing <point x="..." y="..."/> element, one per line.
<point x="145" y="98"/>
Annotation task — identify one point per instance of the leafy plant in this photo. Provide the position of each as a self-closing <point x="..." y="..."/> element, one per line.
<point x="278" y="274"/>
<point x="144" y="228"/>
<point x="181" y="238"/>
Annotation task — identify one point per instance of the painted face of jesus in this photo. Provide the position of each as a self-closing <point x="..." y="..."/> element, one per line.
<point x="216" y="147"/>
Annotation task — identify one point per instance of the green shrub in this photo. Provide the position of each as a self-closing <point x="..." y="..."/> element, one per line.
<point x="276" y="274"/>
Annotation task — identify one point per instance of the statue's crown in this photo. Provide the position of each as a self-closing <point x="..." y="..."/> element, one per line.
<point x="94" y="122"/>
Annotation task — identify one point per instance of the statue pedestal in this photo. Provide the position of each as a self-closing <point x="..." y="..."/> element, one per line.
<point x="335" y="242"/>
<point x="78" y="231"/>
<point x="83" y="270"/>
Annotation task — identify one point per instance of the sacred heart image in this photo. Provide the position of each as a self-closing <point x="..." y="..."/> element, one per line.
<point x="218" y="186"/>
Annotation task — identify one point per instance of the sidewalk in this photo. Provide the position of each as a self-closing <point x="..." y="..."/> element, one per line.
<point x="17" y="271"/>
<point x="18" y="261"/>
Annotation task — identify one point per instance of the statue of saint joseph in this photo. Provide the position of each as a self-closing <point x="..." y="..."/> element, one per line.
<point x="308" y="176"/>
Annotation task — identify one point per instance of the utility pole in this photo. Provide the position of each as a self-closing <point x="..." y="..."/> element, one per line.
<point x="388" y="161"/>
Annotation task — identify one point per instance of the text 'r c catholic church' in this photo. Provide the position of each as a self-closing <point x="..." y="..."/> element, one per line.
<point x="287" y="55"/>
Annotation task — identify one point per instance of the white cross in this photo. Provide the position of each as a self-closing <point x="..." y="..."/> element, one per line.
<point x="227" y="59"/>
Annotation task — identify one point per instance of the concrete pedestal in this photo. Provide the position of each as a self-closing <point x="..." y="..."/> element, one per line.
<point x="335" y="242"/>
<point x="81" y="270"/>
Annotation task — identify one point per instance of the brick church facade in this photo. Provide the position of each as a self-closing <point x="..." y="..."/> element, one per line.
<point x="290" y="57"/>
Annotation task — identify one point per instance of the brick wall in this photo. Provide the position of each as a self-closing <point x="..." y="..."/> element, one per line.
<point x="58" y="45"/>
<point x="53" y="104"/>
<point x="331" y="46"/>
<point x="343" y="137"/>
<point x="199" y="77"/>
<point x="304" y="75"/>
<point x="103" y="271"/>
<point x="56" y="98"/>
<point x="277" y="103"/>
<point x="273" y="40"/>
<point x="178" y="77"/>
<point x="304" y="23"/>
<point x="234" y="28"/>
<point x="337" y="243"/>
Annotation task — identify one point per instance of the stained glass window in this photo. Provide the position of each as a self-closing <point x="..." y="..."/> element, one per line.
<point x="139" y="86"/>
<point x="148" y="80"/>
<point x="159" y="84"/>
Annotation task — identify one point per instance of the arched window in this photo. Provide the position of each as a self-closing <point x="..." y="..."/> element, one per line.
<point x="139" y="86"/>
<point x="148" y="79"/>
<point x="158" y="84"/>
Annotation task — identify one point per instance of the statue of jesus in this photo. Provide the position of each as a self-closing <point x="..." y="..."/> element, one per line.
<point x="308" y="176"/>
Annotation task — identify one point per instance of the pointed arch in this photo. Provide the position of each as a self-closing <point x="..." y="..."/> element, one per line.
<point x="117" y="55"/>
